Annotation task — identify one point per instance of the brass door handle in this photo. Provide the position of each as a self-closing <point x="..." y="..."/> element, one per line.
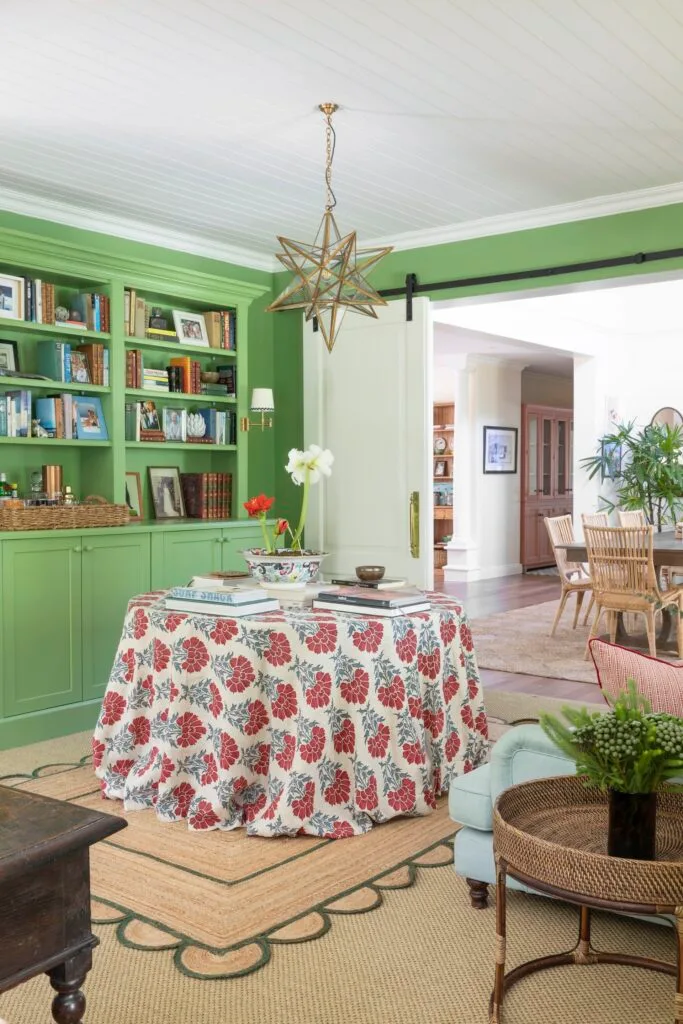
<point x="415" y="524"/>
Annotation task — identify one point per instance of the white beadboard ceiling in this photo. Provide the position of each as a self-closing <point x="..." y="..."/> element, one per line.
<point x="197" y="118"/>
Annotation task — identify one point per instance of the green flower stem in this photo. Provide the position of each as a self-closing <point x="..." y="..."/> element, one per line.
<point x="296" y="539"/>
<point x="264" y="530"/>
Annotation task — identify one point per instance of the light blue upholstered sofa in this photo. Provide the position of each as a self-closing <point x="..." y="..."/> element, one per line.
<point x="522" y="753"/>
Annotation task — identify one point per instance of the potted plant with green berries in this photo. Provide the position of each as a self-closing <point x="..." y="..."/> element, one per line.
<point x="628" y="752"/>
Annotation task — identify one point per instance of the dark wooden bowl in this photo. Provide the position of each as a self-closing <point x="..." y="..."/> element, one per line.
<point x="370" y="573"/>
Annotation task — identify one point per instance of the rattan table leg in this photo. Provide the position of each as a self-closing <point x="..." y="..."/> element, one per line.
<point x="496" y="1004"/>
<point x="678" y="1004"/>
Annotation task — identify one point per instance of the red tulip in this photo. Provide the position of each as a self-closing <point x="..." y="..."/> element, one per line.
<point x="280" y="526"/>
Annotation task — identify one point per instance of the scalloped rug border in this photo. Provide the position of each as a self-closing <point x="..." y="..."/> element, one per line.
<point x="203" y="962"/>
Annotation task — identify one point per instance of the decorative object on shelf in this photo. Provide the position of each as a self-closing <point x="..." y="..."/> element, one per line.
<point x="261" y="401"/>
<point x="12" y="297"/>
<point x="52" y="481"/>
<point x="167" y="494"/>
<point x="304" y="467"/>
<point x="500" y="449"/>
<point x="69" y="498"/>
<point x="330" y="272"/>
<point x="61" y="314"/>
<point x="439" y="469"/>
<point x="9" y="356"/>
<point x="630" y="753"/>
<point x="89" y="419"/>
<point x="440" y="445"/>
<point x="157" y="320"/>
<point x="37" y="430"/>
<point x="134" y="496"/>
<point x="370" y="573"/>
<point x="647" y="474"/>
<point x="150" y="425"/>
<point x="196" y="425"/>
<point x="93" y="512"/>
<point x="191" y="328"/>
<point x="80" y="372"/>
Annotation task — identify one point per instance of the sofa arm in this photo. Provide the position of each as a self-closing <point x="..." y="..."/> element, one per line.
<point x="524" y="753"/>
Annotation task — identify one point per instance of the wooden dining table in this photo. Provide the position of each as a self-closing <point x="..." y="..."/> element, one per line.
<point x="666" y="550"/>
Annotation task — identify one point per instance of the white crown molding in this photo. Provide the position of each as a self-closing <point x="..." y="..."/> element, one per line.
<point x="506" y="223"/>
<point x="59" y="212"/>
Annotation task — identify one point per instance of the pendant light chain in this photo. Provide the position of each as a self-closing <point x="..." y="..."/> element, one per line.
<point x="330" y="145"/>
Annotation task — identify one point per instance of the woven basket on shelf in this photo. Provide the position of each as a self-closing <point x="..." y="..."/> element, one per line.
<point x="93" y="511"/>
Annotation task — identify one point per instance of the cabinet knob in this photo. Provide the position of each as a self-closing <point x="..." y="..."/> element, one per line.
<point x="78" y="548"/>
<point x="88" y="547"/>
<point x="224" y="540"/>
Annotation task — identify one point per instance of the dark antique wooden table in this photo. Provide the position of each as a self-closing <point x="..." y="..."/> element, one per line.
<point x="666" y="550"/>
<point x="45" y="894"/>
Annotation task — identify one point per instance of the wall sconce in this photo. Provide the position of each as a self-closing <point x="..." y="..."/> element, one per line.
<point x="261" y="401"/>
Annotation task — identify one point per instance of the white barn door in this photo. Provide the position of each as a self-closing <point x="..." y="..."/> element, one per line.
<point x="370" y="402"/>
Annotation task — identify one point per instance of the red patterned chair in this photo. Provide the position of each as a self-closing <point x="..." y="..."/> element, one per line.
<point x="661" y="682"/>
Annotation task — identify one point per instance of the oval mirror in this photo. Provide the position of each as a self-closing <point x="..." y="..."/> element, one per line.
<point x="667" y="417"/>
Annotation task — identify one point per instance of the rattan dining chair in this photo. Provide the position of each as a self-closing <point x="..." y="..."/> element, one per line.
<point x="595" y="519"/>
<point x="637" y="518"/>
<point x="573" y="576"/>
<point x="624" y="579"/>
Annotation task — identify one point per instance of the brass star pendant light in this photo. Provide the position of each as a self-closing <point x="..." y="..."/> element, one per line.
<point x="329" y="274"/>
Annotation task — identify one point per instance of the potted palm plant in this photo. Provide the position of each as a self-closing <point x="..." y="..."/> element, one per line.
<point x="629" y="753"/>
<point x="646" y="467"/>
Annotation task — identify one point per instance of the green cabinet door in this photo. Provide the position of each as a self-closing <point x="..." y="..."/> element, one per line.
<point x="115" y="569"/>
<point x="178" y="555"/>
<point x="41" y="623"/>
<point x="235" y="541"/>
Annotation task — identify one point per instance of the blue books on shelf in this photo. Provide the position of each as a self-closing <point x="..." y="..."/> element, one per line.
<point x="46" y="412"/>
<point x="54" y="360"/>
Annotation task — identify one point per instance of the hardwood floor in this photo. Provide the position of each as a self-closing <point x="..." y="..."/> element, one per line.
<point x="488" y="597"/>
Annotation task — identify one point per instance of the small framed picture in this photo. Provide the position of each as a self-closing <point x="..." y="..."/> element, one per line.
<point x="12" y="297"/>
<point x="89" y="419"/>
<point x="9" y="356"/>
<point x="79" y="368"/>
<point x="190" y="328"/>
<point x="167" y="496"/>
<point x="611" y="460"/>
<point x="174" y="423"/>
<point x="134" y="496"/>
<point x="439" y="469"/>
<point x="500" y="449"/>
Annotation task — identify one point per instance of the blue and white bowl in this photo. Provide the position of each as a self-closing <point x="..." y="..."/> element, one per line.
<point x="290" y="568"/>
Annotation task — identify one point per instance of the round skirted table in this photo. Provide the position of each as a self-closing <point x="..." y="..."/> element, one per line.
<point x="551" y="834"/>
<point x="297" y="721"/>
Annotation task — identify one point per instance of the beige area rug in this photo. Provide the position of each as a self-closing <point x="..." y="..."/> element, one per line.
<point x="519" y="641"/>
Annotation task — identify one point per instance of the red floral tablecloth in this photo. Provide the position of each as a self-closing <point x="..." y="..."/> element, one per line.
<point x="292" y="722"/>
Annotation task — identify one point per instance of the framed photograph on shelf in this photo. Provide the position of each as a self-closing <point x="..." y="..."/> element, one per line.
<point x="12" y="297"/>
<point x="89" y="419"/>
<point x="9" y="357"/>
<point x="174" y="424"/>
<point x="500" y="449"/>
<point x="190" y="328"/>
<point x="167" y="495"/>
<point x="134" y="496"/>
<point x="80" y="372"/>
<point x="440" y="468"/>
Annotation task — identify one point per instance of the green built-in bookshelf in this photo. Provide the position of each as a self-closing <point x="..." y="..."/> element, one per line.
<point x="99" y="466"/>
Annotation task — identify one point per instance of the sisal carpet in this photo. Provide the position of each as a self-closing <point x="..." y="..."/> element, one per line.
<point x="519" y="641"/>
<point x="421" y="954"/>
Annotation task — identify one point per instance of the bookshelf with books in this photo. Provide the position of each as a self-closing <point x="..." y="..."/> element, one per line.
<point x="76" y="583"/>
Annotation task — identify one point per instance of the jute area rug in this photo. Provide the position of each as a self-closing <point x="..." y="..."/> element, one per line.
<point x="396" y="939"/>
<point x="520" y="641"/>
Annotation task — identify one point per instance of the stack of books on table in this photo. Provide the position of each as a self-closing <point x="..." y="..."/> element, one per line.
<point x="365" y="601"/>
<point x="218" y="598"/>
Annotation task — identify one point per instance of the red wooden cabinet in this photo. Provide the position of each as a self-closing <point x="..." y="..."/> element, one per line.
<point x="547" y="478"/>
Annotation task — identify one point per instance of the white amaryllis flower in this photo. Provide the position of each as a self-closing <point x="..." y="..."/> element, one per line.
<point x="316" y="460"/>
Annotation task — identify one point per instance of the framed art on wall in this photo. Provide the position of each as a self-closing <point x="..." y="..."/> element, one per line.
<point x="9" y="356"/>
<point x="500" y="449"/>
<point x="167" y="495"/>
<point x="134" y="496"/>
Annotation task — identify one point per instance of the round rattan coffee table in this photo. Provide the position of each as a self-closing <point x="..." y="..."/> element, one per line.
<point x="551" y="834"/>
